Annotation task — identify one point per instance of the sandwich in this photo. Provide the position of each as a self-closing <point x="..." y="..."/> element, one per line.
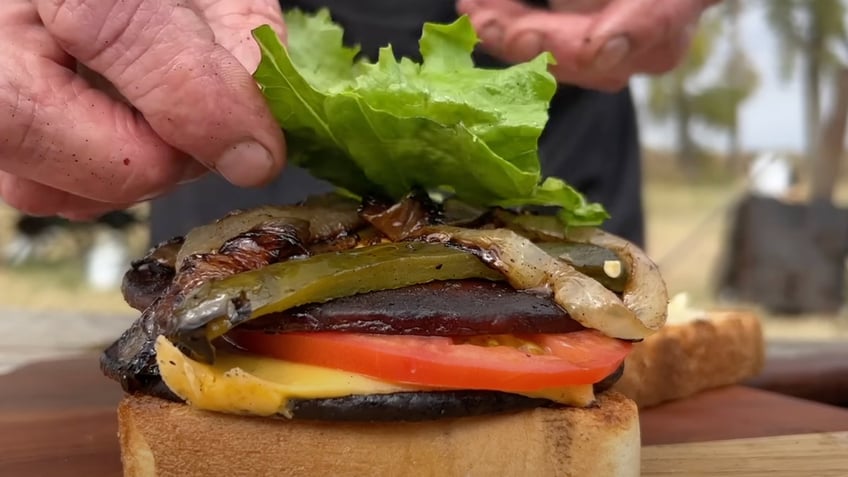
<point x="446" y="312"/>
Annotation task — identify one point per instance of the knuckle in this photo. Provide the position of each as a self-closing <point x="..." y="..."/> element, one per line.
<point x="112" y="36"/>
<point x="70" y="21"/>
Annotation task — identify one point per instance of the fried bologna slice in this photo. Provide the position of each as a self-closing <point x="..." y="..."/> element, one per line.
<point x="161" y="438"/>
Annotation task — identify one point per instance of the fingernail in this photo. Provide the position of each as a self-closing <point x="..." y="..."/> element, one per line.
<point x="245" y="164"/>
<point x="612" y="53"/>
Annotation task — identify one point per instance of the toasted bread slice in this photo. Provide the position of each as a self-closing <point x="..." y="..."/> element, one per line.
<point x="691" y="354"/>
<point x="161" y="438"/>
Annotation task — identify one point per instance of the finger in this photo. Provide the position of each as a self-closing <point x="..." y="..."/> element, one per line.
<point x="635" y="26"/>
<point x="56" y="130"/>
<point x="162" y="57"/>
<point x="524" y="33"/>
<point x="18" y="19"/>
<point x="37" y="199"/>
<point x="665" y="57"/>
<point x="471" y="7"/>
<point x="516" y="33"/>
<point x="490" y="19"/>
<point x="561" y="34"/>
<point x="233" y="21"/>
<point x="577" y="6"/>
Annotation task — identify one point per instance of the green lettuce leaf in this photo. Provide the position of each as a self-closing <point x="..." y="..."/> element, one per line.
<point x="386" y="127"/>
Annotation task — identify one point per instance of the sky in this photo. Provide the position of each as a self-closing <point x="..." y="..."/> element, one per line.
<point x="772" y="118"/>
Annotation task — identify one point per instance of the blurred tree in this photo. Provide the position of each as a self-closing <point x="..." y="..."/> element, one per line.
<point x="741" y="76"/>
<point x="832" y="143"/>
<point x="682" y="97"/>
<point x="813" y="32"/>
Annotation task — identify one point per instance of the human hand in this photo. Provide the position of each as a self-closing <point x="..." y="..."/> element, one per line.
<point x="187" y="100"/>
<point x="598" y="44"/>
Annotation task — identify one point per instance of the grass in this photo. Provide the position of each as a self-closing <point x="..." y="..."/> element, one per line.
<point x="58" y="284"/>
<point x="686" y="226"/>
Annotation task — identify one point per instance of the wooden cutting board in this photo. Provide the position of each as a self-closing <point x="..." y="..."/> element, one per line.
<point x="58" y="419"/>
<point x="738" y="413"/>
<point x="819" y="455"/>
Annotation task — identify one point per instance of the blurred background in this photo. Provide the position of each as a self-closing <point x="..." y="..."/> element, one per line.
<point x="745" y="192"/>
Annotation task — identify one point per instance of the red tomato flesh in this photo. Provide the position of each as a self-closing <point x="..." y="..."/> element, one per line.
<point x="521" y="363"/>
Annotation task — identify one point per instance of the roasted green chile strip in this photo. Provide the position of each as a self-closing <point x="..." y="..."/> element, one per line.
<point x="216" y="307"/>
<point x="590" y="259"/>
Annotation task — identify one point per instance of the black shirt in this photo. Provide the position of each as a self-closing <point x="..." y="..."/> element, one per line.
<point x="591" y="139"/>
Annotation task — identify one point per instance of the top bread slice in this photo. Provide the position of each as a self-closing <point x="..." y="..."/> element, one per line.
<point x="703" y="351"/>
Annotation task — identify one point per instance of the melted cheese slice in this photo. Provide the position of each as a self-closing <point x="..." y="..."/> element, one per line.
<point x="248" y="384"/>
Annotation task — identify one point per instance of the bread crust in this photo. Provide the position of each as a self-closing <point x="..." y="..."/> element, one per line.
<point x="161" y="438"/>
<point x="719" y="349"/>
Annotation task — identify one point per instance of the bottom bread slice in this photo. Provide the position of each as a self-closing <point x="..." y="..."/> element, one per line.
<point x="161" y="438"/>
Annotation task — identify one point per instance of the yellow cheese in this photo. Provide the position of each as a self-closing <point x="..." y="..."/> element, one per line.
<point x="578" y="396"/>
<point x="248" y="384"/>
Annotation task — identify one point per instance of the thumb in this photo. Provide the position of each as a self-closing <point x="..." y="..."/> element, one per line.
<point x="163" y="57"/>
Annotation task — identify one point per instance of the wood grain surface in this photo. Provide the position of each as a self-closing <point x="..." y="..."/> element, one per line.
<point x="58" y="419"/>
<point x="819" y="455"/>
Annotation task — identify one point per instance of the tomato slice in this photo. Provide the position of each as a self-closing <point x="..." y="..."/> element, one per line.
<point x="539" y="362"/>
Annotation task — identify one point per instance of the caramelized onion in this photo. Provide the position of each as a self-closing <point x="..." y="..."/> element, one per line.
<point x="528" y="267"/>
<point x="328" y="219"/>
<point x="645" y="291"/>
<point x="403" y="218"/>
<point x="149" y="277"/>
